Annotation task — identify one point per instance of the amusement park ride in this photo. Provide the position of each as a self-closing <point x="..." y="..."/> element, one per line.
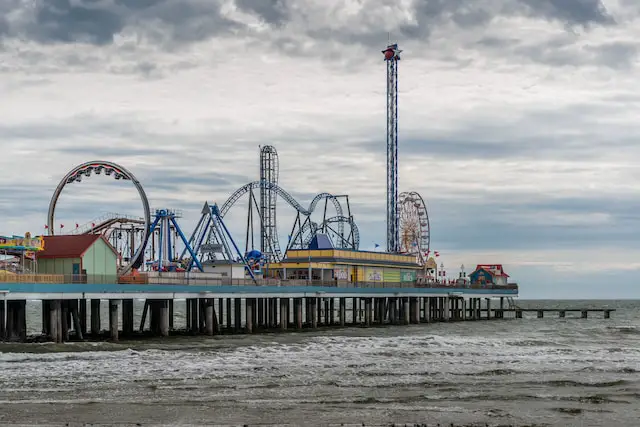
<point x="149" y="242"/>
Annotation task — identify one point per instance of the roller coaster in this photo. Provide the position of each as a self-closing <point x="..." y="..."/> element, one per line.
<point x="303" y="230"/>
<point x="261" y="215"/>
<point x="140" y="240"/>
<point x="408" y="227"/>
<point x="137" y="239"/>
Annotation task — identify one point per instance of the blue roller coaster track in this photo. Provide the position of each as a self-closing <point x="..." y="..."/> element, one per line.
<point x="340" y="219"/>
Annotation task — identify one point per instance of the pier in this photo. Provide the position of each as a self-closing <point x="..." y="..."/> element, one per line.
<point x="71" y="311"/>
<point x="562" y="312"/>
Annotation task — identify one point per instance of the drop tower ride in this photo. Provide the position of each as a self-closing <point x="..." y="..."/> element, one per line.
<point x="391" y="57"/>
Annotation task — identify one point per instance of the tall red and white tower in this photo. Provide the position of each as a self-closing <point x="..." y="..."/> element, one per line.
<point x="391" y="57"/>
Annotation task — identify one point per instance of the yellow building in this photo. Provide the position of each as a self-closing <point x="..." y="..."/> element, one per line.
<point x="345" y="266"/>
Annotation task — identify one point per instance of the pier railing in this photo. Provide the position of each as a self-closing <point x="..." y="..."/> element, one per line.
<point x="196" y="279"/>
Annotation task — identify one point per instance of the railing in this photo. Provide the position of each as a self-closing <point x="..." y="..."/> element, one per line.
<point x="196" y="279"/>
<point x="466" y="286"/>
<point x="32" y="278"/>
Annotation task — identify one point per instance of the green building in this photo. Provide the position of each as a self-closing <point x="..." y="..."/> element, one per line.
<point x="86" y="254"/>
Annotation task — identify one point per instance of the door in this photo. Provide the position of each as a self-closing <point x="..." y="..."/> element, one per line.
<point x="76" y="273"/>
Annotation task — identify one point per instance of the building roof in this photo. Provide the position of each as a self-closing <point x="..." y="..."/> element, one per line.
<point x="70" y="246"/>
<point x="300" y="258"/>
<point x="495" y="270"/>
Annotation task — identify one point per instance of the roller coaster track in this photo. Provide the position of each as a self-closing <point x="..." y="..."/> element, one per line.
<point x="340" y="220"/>
<point x="104" y="222"/>
<point x="287" y="198"/>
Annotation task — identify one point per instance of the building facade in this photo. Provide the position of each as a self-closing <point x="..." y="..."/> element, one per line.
<point x="489" y="274"/>
<point x="86" y="254"/>
<point x="340" y="265"/>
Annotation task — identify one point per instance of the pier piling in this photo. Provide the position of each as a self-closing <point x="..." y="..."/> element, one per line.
<point x="209" y="316"/>
<point x="83" y="316"/>
<point x="95" y="317"/>
<point x="127" y="317"/>
<point x="113" y="319"/>
<point x="76" y="319"/>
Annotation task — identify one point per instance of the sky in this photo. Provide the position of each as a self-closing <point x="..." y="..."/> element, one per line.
<point x="517" y="119"/>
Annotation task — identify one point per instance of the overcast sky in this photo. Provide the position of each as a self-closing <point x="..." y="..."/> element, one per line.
<point x="518" y="119"/>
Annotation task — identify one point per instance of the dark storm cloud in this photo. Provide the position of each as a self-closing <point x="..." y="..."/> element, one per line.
<point x="97" y="21"/>
<point x="60" y="21"/>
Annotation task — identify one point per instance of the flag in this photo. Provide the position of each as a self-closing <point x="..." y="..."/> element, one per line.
<point x="436" y="253"/>
<point x="376" y="245"/>
<point x="61" y="225"/>
<point x="46" y="226"/>
<point x="77" y="225"/>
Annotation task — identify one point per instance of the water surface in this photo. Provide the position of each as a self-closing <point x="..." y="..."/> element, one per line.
<point x="559" y="372"/>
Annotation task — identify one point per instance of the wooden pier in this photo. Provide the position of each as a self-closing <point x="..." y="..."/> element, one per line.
<point x="72" y="311"/>
<point x="562" y="312"/>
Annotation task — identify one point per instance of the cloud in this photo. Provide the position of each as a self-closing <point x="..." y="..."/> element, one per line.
<point x="574" y="12"/>
<point x="98" y="22"/>
<point x="273" y="12"/>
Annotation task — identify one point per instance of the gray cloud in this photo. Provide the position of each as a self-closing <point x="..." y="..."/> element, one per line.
<point x="573" y="12"/>
<point x="98" y="21"/>
<point x="59" y="20"/>
<point x="297" y="29"/>
<point x="4" y="26"/>
<point x="615" y="54"/>
<point x="273" y="12"/>
<point x="533" y="225"/>
<point x="562" y="51"/>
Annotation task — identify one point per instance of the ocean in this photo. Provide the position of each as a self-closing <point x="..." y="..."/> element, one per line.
<point x="535" y="372"/>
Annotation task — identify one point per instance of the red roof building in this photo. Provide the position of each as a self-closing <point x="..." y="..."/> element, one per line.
<point x="89" y="254"/>
<point x="490" y="274"/>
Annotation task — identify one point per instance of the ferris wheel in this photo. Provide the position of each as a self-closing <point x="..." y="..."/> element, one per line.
<point x="414" y="226"/>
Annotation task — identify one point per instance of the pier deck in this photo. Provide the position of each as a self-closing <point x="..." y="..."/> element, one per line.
<point x="40" y="291"/>
<point x="216" y="308"/>
<point x="584" y="312"/>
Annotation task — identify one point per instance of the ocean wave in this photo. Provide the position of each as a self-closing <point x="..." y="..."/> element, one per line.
<point x="574" y="383"/>
<point x="613" y="369"/>
<point x="625" y="330"/>
<point x="534" y="343"/>
<point x="65" y="356"/>
<point x="489" y="372"/>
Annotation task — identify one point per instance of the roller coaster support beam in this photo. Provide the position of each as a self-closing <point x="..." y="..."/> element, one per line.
<point x="186" y="243"/>
<point x="192" y="238"/>
<point x="216" y="213"/>
<point x="151" y="229"/>
<point x="200" y="241"/>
